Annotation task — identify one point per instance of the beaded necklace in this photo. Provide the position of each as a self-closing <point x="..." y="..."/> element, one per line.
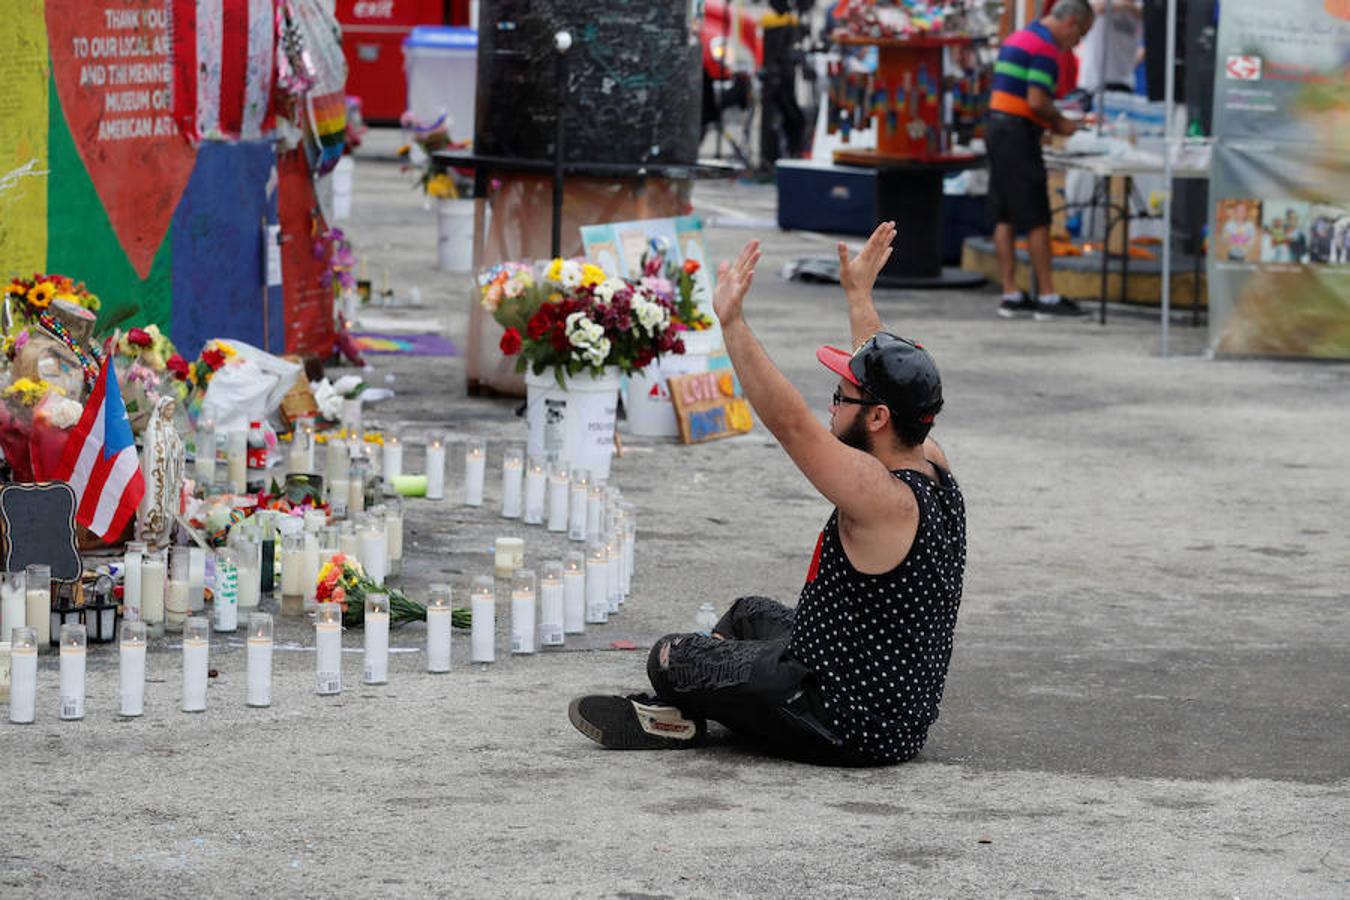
<point x="89" y="361"/>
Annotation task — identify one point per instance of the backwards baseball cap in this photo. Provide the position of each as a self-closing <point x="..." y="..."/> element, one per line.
<point x="894" y="370"/>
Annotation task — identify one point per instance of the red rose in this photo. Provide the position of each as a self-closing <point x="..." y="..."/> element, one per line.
<point x="178" y="366"/>
<point x="511" y="342"/>
<point x="139" y="337"/>
<point x="540" y="324"/>
<point x="643" y="358"/>
<point x="690" y="266"/>
<point x="213" y="358"/>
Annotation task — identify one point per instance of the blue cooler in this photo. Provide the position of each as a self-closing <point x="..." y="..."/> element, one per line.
<point x="821" y="197"/>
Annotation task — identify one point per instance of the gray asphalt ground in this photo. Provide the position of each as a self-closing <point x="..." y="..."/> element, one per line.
<point x="1148" y="696"/>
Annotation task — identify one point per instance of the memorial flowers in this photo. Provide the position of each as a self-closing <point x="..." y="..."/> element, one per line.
<point x="28" y="298"/>
<point x="344" y="582"/>
<point x="571" y="317"/>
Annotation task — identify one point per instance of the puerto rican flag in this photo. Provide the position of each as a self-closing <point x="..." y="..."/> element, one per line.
<point x="224" y="64"/>
<point x="100" y="461"/>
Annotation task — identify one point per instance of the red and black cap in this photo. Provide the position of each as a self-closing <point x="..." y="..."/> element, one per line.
<point x="897" y="371"/>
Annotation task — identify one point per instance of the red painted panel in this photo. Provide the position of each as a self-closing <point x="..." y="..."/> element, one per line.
<point x="308" y="304"/>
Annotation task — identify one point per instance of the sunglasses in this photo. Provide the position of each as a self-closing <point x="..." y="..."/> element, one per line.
<point x="838" y="399"/>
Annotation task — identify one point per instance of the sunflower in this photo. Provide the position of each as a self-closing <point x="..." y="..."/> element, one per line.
<point x="41" y="294"/>
<point x="16" y="288"/>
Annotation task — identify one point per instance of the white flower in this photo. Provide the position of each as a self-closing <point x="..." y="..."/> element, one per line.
<point x="653" y="317"/>
<point x="62" y="412"/>
<point x="514" y="288"/>
<point x="570" y="274"/>
<point x="605" y="290"/>
<point x="582" y="332"/>
<point x="597" y="353"/>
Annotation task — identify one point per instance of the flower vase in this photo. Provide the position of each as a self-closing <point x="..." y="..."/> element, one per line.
<point x="573" y="425"/>
<point x="454" y="235"/>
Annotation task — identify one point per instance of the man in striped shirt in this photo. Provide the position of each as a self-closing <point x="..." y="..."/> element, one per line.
<point x="1021" y="109"/>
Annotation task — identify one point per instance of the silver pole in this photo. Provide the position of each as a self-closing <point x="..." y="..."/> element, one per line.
<point x="1169" y="94"/>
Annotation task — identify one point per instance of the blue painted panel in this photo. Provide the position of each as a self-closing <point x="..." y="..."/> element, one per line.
<point x="218" y="263"/>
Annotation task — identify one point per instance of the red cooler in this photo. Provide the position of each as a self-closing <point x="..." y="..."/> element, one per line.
<point x="372" y="40"/>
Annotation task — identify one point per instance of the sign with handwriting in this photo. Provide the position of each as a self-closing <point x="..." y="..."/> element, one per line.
<point x="707" y="406"/>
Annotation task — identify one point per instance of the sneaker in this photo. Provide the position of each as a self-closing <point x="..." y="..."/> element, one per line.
<point x="1064" y="309"/>
<point x="635" y="722"/>
<point x="1022" y="306"/>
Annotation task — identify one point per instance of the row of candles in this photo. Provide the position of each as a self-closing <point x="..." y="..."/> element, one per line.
<point x="580" y="590"/>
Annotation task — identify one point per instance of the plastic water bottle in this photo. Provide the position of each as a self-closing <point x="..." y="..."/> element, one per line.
<point x="256" y="456"/>
<point x="706" y="619"/>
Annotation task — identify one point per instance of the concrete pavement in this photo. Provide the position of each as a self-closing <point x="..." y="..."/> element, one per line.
<point x="1149" y="695"/>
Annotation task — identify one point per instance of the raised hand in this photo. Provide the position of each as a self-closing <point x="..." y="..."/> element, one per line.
<point x="857" y="275"/>
<point x="733" y="281"/>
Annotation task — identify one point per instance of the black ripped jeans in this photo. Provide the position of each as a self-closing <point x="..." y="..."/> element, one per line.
<point x="748" y="682"/>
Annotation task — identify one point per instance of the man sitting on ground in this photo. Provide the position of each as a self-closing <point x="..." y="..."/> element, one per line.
<point x="854" y="674"/>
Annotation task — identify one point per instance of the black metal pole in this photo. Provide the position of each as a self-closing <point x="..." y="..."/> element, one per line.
<point x="562" y="41"/>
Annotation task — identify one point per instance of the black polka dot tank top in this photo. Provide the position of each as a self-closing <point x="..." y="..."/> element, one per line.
<point x="879" y="644"/>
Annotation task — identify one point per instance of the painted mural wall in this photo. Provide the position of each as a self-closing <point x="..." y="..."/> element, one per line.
<point x="108" y="175"/>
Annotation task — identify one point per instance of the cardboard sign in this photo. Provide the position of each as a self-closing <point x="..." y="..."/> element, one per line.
<point x="707" y="406"/>
<point x="37" y="525"/>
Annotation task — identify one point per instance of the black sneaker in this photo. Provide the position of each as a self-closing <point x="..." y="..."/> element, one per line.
<point x="1022" y="306"/>
<point x="635" y="722"/>
<point x="1064" y="309"/>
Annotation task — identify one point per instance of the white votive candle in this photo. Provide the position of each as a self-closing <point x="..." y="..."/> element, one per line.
<point x="614" y="584"/>
<point x="204" y="462"/>
<point x="131" y="579"/>
<point x="439" y="617"/>
<point x="551" y="604"/>
<point x="236" y="458"/>
<point x="293" y="570"/>
<point x="356" y="489"/>
<point x="475" y="466"/>
<point x="38" y="602"/>
<point x="339" y="492"/>
<point x="259" y="660"/>
<point x="576" y="505"/>
<point x="629" y="549"/>
<point x="374" y="549"/>
<point x="196" y="653"/>
<point x="513" y="468"/>
<point x="509" y="556"/>
<point x="597" y="584"/>
<point x="248" y="581"/>
<point x="393" y="530"/>
<point x="436" y="469"/>
<point x="392" y="457"/>
<point x="483" y="608"/>
<point x="349" y="541"/>
<point x="523" y="620"/>
<point x="131" y="669"/>
<point x="574" y="593"/>
<point x="23" y="676"/>
<point x="377" y="639"/>
<point x="557" y="499"/>
<point x="73" y="640"/>
<point x="536" y="485"/>
<point x="336" y="460"/>
<point x="226" y="603"/>
<point x="152" y="593"/>
<point x="311" y="562"/>
<point x="13" y="604"/>
<point x="595" y="512"/>
<point x="296" y="461"/>
<point x="328" y="648"/>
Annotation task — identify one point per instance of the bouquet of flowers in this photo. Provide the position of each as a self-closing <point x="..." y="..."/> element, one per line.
<point x="675" y="282"/>
<point x="28" y="298"/>
<point x="435" y="178"/>
<point x="580" y="319"/>
<point x="344" y="582"/>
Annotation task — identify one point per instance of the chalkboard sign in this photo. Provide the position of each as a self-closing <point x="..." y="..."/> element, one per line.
<point x="633" y="88"/>
<point x="37" y="526"/>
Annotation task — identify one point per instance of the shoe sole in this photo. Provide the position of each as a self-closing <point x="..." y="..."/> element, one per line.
<point x="613" y="723"/>
<point x="1013" y="313"/>
<point x="1054" y="317"/>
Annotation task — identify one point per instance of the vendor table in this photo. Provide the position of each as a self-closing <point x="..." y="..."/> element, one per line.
<point x="1106" y="168"/>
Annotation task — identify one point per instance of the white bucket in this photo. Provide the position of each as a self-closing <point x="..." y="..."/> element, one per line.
<point x="454" y="235"/>
<point x="650" y="412"/>
<point x="574" y="426"/>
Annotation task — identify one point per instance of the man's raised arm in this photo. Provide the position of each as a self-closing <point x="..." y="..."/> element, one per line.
<point x="856" y="277"/>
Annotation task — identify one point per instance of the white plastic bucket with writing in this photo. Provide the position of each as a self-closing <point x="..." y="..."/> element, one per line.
<point x="454" y="235"/>
<point x="573" y="425"/>
<point x="650" y="412"/>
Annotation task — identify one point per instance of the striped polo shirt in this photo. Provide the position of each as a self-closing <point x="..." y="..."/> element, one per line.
<point x="1027" y="57"/>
